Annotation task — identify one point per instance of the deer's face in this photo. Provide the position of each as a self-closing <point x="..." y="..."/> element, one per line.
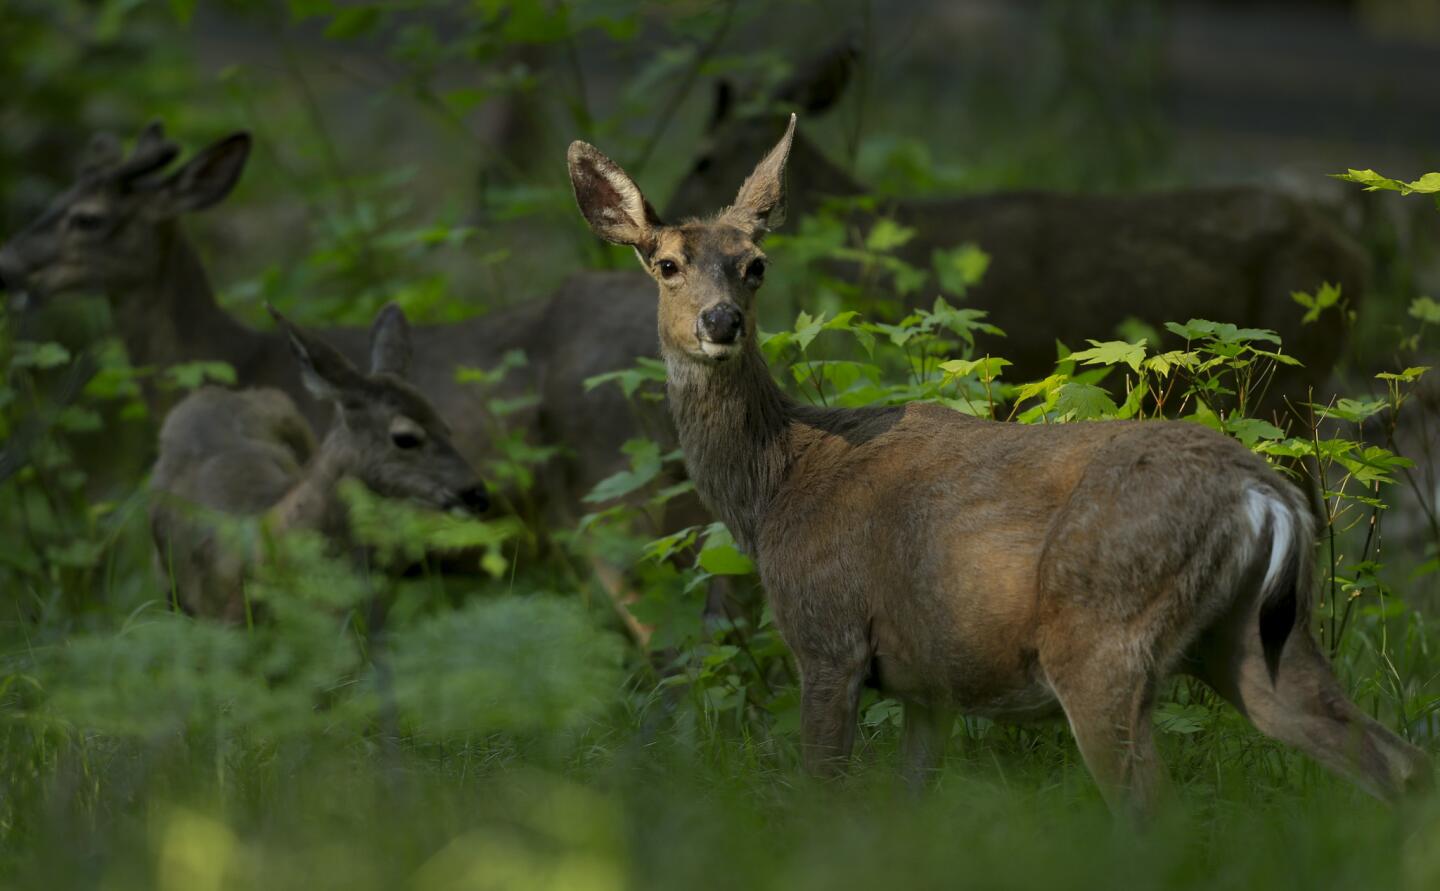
<point x="386" y="434"/>
<point x="708" y="270"/>
<point x="105" y="231"/>
<point x="399" y="448"/>
<point x="92" y="237"/>
<point x="708" y="274"/>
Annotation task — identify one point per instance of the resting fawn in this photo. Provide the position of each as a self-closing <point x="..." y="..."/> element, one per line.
<point x="250" y="452"/>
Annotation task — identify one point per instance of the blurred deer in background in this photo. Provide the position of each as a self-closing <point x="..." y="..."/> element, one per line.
<point x="1081" y="263"/>
<point x="118" y="231"/>
<point x="1006" y="570"/>
<point x="248" y="452"/>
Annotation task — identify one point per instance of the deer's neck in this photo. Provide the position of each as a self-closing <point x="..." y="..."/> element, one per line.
<point x="173" y="317"/>
<point x="734" y="425"/>
<point x="313" y="503"/>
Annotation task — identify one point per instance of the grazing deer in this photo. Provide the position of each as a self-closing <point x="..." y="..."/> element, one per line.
<point x="1082" y="263"/>
<point x="249" y="452"/>
<point x="118" y="231"/>
<point x="1001" y="569"/>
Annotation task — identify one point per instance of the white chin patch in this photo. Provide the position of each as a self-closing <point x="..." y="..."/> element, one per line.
<point x="717" y="350"/>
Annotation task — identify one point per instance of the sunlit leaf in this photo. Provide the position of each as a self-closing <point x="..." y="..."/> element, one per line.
<point x="1427" y="185"/>
<point x="1112" y="352"/>
<point x="887" y="235"/>
<point x="959" y="268"/>
<point x="1081" y="402"/>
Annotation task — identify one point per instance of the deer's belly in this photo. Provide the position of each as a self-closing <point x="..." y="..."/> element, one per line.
<point x="988" y="678"/>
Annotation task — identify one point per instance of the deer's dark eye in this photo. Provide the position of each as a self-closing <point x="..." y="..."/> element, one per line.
<point x="668" y="268"/>
<point x="755" y="272"/>
<point x="86" y="221"/>
<point x="404" y="439"/>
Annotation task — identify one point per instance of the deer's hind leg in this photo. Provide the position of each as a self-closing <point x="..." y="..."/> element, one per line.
<point x="1304" y="706"/>
<point x="1108" y="695"/>
<point x="923" y="740"/>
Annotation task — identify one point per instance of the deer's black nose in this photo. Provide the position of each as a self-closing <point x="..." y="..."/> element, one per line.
<point x="475" y="499"/>
<point x="721" y="323"/>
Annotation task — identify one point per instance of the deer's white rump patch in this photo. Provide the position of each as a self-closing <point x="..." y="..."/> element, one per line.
<point x="1258" y="506"/>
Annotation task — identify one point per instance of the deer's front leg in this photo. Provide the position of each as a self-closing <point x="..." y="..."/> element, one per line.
<point x="829" y="702"/>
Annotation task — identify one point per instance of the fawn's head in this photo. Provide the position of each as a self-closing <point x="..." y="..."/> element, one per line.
<point x="104" y="231"/>
<point x="708" y="270"/>
<point x="385" y="433"/>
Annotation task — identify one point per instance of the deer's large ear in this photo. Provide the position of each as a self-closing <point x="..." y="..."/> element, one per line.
<point x="205" y="179"/>
<point x="326" y="373"/>
<point x="760" y="204"/>
<point x="390" y="342"/>
<point x="609" y="199"/>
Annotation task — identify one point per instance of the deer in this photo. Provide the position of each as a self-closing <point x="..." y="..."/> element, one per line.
<point x="251" y="453"/>
<point x="1083" y="262"/>
<point x="118" y="230"/>
<point x="964" y="564"/>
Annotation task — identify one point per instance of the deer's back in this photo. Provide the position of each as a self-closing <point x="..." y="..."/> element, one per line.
<point x="598" y="322"/>
<point x="955" y="542"/>
<point x="222" y="453"/>
<point x="1086" y="263"/>
<point x="234" y="451"/>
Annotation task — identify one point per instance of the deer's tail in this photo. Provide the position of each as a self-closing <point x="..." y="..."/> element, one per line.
<point x="1284" y="531"/>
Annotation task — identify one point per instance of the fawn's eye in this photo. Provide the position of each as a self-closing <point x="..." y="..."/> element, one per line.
<point x="407" y="439"/>
<point x="668" y="268"/>
<point x="86" y="221"/>
<point x="755" y="272"/>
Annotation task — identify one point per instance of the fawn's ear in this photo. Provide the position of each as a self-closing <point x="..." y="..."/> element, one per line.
<point x="152" y="153"/>
<point x="101" y="152"/>
<point x="205" y="179"/>
<point x="610" y="200"/>
<point x="390" y="342"/>
<point x="821" y="82"/>
<point x="760" y="204"/>
<point x="326" y="373"/>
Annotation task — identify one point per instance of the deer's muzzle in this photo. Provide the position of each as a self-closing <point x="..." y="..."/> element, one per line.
<point x="474" y="499"/>
<point x="721" y="324"/>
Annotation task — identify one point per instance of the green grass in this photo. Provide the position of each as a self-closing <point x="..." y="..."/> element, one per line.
<point x="626" y="809"/>
<point x="501" y="747"/>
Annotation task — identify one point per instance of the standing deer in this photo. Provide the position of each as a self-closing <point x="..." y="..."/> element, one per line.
<point x="248" y="452"/>
<point x="1083" y="263"/>
<point x="1000" y="569"/>
<point x="118" y="231"/>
